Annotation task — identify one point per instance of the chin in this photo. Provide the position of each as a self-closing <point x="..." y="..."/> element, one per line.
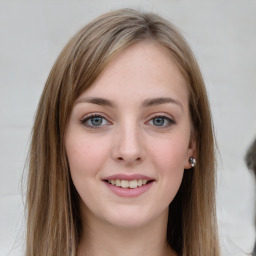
<point x="132" y="217"/>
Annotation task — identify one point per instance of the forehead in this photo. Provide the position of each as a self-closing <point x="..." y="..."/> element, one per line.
<point x="142" y="70"/>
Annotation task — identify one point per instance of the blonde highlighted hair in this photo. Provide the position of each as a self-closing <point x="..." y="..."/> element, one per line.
<point x="53" y="218"/>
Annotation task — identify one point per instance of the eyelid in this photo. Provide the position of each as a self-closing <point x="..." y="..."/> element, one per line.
<point x="162" y="115"/>
<point x="87" y="117"/>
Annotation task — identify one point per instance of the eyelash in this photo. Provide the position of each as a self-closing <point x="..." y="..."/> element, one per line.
<point x="86" y="119"/>
<point x="90" y="117"/>
<point x="169" y="121"/>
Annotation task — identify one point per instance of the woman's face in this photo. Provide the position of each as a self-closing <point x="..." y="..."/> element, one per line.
<point x="128" y="138"/>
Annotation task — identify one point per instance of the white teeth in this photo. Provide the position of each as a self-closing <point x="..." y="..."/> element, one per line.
<point x="133" y="184"/>
<point x="127" y="183"/>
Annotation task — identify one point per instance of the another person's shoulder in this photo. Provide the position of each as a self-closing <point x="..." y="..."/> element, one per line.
<point x="250" y="157"/>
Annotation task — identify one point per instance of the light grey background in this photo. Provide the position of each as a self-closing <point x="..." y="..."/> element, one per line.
<point x="223" y="36"/>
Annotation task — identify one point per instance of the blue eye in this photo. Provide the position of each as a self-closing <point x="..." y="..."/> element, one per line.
<point x="158" y="121"/>
<point x="161" y="121"/>
<point x="95" y="121"/>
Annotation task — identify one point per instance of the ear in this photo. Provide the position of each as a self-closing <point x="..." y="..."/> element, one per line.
<point x="191" y="152"/>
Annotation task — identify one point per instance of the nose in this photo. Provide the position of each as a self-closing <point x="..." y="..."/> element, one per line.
<point x="128" y="145"/>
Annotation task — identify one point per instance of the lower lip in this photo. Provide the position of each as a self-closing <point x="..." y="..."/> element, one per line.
<point x="129" y="192"/>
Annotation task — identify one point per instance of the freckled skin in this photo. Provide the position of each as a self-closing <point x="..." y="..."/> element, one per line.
<point x="128" y="142"/>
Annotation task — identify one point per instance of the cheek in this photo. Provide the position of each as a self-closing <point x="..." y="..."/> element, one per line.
<point x="84" y="154"/>
<point x="85" y="158"/>
<point x="170" y="155"/>
<point x="169" y="160"/>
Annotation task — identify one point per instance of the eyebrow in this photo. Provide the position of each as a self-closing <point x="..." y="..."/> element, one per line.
<point x="145" y="103"/>
<point x="97" y="101"/>
<point x="159" y="101"/>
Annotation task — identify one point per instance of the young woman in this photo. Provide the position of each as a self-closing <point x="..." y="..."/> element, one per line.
<point x="122" y="152"/>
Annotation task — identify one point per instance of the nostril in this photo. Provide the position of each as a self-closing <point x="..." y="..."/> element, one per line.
<point x="138" y="159"/>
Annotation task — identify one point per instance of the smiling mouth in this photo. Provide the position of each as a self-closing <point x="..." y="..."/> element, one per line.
<point x="128" y="183"/>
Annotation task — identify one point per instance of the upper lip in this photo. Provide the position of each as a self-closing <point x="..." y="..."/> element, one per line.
<point x="128" y="177"/>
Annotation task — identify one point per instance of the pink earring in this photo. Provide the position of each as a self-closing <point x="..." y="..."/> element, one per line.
<point x="192" y="161"/>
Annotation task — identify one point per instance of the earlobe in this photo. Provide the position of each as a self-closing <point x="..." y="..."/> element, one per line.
<point x="192" y="161"/>
<point x="191" y="155"/>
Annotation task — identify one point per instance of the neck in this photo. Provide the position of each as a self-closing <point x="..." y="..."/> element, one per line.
<point x="101" y="238"/>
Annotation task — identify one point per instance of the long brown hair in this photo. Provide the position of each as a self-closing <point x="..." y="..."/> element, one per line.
<point x="53" y="219"/>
